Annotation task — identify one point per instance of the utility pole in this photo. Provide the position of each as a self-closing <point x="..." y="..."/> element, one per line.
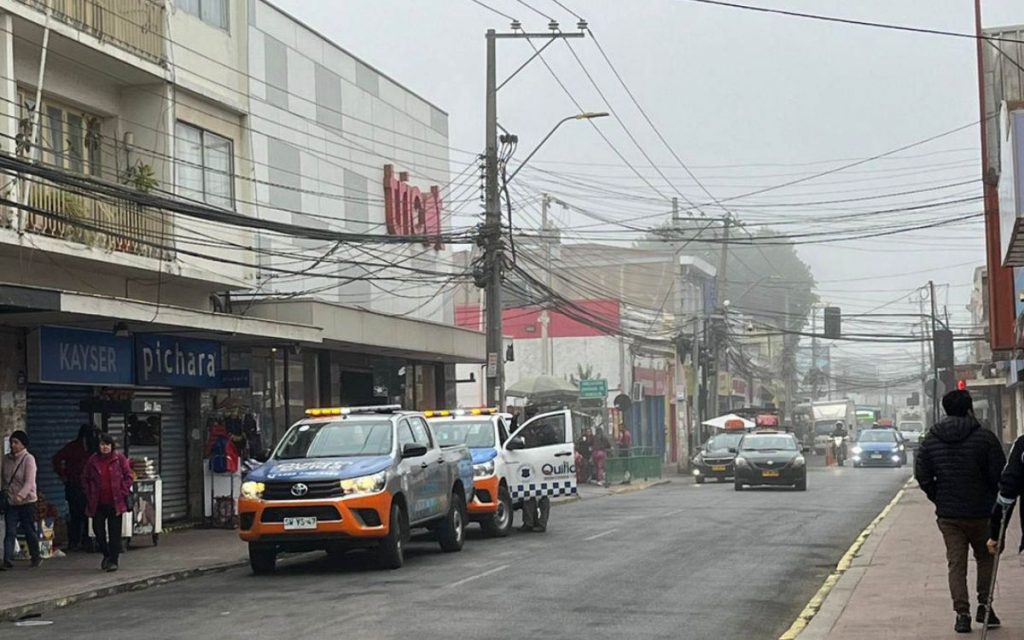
<point x="935" y="361"/>
<point x="494" y="244"/>
<point x="545" y="319"/>
<point x="814" y="354"/>
<point x="924" y="360"/>
<point x="720" y="341"/>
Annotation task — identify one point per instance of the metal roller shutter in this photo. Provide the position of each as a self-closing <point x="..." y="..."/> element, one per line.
<point x="53" y="418"/>
<point x="173" y="458"/>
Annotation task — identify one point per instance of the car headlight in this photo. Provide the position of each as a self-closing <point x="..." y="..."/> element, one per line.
<point x="252" y="490"/>
<point x="364" y="484"/>
<point x="857" y="450"/>
<point x="902" y="448"/>
<point x="799" y="461"/>
<point x="741" y="461"/>
<point x="484" y="469"/>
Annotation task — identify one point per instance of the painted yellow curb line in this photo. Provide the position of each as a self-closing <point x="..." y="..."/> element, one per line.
<point x="845" y="562"/>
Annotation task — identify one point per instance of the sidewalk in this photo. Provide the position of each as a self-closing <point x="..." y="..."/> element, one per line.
<point x="896" y="587"/>
<point x="77" y="576"/>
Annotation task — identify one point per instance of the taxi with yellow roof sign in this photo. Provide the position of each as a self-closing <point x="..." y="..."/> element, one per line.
<point x="347" y="477"/>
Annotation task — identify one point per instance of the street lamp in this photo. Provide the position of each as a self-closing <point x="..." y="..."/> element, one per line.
<point x="587" y="115"/>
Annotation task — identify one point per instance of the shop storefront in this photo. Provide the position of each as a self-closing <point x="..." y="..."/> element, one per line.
<point x="137" y="388"/>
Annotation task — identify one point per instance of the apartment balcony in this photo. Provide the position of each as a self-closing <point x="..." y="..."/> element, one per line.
<point x="136" y="26"/>
<point x="111" y="224"/>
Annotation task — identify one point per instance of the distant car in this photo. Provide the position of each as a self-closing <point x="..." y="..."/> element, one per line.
<point x="715" y="458"/>
<point x="913" y="433"/>
<point x="770" y="458"/>
<point x="879" y="448"/>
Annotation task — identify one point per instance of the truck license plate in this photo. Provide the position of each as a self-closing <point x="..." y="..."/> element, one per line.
<point x="299" y="523"/>
<point x="718" y="467"/>
<point x="769" y="474"/>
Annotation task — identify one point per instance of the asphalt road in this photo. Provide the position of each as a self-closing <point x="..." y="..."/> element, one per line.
<point x="677" y="561"/>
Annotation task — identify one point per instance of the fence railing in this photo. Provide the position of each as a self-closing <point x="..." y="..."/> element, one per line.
<point x="111" y="224"/>
<point x="137" y="26"/>
<point x="619" y="469"/>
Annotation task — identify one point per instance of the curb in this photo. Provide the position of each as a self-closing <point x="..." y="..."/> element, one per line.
<point x="617" y="492"/>
<point x="11" y="614"/>
<point x="816" y="602"/>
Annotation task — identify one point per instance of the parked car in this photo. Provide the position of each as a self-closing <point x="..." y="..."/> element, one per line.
<point x="770" y="458"/>
<point x="355" y="477"/>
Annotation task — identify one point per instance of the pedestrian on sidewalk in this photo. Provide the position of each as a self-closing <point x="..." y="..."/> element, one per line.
<point x="600" y="455"/>
<point x="958" y="467"/>
<point x="107" y="481"/>
<point x="69" y="463"/>
<point x="19" y="499"/>
<point x="625" y="442"/>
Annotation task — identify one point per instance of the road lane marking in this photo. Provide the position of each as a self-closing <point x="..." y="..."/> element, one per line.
<point x="675" y="513"/>
<point x="816" y="602"/>
<point x="599" y="535"/>
<point x="477" y="576"/>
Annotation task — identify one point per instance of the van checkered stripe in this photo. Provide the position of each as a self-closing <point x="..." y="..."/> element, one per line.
<point x="532" y="490"/>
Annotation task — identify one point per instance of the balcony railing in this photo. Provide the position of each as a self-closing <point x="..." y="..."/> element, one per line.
<point x="137" y="26"/>
<point x="111" y="224"/>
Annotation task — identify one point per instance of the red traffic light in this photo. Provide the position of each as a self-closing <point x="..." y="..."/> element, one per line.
<point x="961" y="385"/>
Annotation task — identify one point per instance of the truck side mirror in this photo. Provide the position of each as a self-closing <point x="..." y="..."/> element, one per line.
<point x="516" y="443"/>
<point x="414" y="450"/>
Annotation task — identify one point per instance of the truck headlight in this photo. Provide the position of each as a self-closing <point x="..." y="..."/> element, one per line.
<point x="483" y="469"/>
<point x="902" y="448"/>
<point x="252" y="490"/>
<point x="799" y="461"/>
<point x="364" y="484"/>
<point x="741" y="461"/>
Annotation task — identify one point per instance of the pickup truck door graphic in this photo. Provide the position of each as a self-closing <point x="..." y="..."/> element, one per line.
<point x="540" y="457"/>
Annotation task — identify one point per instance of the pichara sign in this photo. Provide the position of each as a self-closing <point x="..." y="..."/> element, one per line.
<point x="170" y="361"/>
<point x="82" y="356"/>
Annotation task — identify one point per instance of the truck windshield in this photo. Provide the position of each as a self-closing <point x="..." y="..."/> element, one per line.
<point x="724" y="441"/>
<point x="824" y="427"/>
<point x="335" y="440"/>
<point x="478" y="434"/>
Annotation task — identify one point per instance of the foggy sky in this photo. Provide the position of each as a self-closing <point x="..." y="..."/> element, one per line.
<point x="725" y="87"/>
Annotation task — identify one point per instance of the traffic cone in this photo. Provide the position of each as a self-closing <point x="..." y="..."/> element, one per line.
<point x="830" y="458"/>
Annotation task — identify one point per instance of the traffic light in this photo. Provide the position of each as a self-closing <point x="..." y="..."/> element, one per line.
<point x="944" y="357"/>
<point x="833" y="322"/>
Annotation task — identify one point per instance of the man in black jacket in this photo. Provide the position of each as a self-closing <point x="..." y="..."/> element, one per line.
<point x="958" y="468"/>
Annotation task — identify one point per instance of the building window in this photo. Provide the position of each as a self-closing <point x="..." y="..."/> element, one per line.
<point x="69" y="138"/>
<point x="204" y="166"/>
<point x="212" y="12"/>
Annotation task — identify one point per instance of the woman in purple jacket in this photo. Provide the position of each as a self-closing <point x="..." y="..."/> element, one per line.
<point x="107" y="482"/>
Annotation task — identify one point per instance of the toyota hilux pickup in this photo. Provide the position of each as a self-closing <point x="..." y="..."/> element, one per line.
<point x="355" y="477"/>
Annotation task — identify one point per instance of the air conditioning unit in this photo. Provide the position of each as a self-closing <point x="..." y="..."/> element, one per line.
<point x="638" y="392"/>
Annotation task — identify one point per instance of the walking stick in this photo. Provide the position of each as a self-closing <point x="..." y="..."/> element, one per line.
<point x="1003" y="522"/>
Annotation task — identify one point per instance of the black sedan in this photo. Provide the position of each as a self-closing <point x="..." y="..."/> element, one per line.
<point x="715" y="458"/>
<point x="770" y="458"/>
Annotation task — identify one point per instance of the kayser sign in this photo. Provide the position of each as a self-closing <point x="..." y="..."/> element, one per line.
<point x="409" y="211"/>
<point x="64" y="355"/>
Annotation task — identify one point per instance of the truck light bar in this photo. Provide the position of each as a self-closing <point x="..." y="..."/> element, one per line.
<point x="344" y="411"/>
<point x="447" y="413"/>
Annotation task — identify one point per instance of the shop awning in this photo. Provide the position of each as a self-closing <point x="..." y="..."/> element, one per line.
<point x="30" y="306"/>
<point x="377" y="333"/>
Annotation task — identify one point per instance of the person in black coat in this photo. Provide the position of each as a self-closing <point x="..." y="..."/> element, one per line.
<point x="1011" y="486"/>
<point x="958" y="467"/>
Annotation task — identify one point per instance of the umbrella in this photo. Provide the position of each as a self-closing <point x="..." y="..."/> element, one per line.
<point x="720" y="421"/>
<point x="540" y="386"/>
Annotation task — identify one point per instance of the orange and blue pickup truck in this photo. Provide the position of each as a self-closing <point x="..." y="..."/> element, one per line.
<point x="510" y="463"/>
<point x="355" y="477"/>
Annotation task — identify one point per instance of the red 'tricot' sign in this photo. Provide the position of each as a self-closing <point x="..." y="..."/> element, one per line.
<point x="410" y="212"/>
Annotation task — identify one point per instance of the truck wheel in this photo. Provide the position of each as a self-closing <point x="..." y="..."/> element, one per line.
<point x="391" y="551"/>
<point x="698" y="479"/>
<point x="801" y="484"/>
<point x="262" y="558"/>
<point x="500" y="525"/>
<point x="451" y="534"/>
<point x="737" y="485"/>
